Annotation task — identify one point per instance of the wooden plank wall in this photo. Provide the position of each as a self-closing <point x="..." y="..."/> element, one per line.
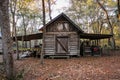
<point x="73" y="44"/>
<point x="49" y="48"/>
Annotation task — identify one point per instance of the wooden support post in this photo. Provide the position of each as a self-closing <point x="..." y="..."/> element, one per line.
<point x="97" y="42"/>
<point x="30" y="44"/>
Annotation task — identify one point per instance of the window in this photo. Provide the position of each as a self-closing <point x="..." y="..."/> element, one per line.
<point x="62" y="26"/>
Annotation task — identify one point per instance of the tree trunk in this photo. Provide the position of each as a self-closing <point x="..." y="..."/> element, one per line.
<point x="6" y="39"/>
<point x="118" y="5"/>
<point x="118" y="1"/>
<point x="24" y="25"/>
<point x="15" y="35"/>
<point x="13" y="11"/>
<point x="49" y="5"/>
<point x="16" y="41"/>
<point x="44" y="30"/>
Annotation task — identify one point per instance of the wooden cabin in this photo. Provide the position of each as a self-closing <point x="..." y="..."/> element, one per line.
<point x="62" y="37"/>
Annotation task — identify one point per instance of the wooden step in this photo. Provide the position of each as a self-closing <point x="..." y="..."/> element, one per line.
<point x="59" y="56"/>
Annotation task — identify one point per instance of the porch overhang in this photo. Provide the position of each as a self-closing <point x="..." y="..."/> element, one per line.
<point x="95" y="36"/>
<point x="29" y="37"/>
<point x="82" y="36"/>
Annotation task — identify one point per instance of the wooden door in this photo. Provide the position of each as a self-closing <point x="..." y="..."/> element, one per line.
<point x="62" y="45"/>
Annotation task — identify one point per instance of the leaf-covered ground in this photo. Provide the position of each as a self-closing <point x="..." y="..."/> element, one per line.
<point x="82" y="68"/>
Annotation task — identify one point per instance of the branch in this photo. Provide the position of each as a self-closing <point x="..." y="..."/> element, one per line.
<point x="106" y="15"/>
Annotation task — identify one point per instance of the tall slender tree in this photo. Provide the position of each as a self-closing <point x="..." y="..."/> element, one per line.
<point x="49" y="5"/>
<point x="118" y="5"/>
<point x="44" y="30"/>
<point x="6" y="39"/>
<point x="13" y="5"/>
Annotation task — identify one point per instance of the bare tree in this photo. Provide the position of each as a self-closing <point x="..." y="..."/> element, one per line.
<point x="6" y="39"/>
<point x="109" y="23"/>
<point x="13" y="4"/>
<point x="44" y="30"/>
<point x="49" y="5"/>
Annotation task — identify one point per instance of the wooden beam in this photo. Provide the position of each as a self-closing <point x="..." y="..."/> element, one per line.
<point x="61" y="32"/>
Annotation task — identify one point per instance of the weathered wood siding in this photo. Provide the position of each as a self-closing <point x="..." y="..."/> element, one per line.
<point x="49" y="47"/>
<point x="56" y="36"/>
<point x="0" y="45"/>
<point x="73" y="43"/>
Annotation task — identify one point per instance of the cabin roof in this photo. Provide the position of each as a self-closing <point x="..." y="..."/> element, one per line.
<point x="68" y="19"/>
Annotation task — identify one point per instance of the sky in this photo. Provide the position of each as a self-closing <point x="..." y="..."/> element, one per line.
<point x="58" y="8"/>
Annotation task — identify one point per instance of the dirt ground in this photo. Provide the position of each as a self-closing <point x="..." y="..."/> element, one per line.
<point x="105" y="67"/>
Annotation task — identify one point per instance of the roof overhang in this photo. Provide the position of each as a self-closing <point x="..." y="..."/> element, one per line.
<point x="29" y="37"/>
<point x="95" y="36"/>
<point x="82" y="36"/>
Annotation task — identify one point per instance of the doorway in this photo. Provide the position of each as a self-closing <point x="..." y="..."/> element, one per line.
<point x="62" y="45"/>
